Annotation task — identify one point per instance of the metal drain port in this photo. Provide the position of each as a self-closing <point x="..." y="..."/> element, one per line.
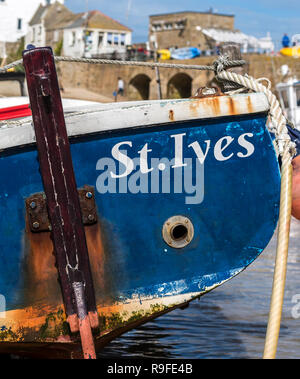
<point x="178" y="232"/>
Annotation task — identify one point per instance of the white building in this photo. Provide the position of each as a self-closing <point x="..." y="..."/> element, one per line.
<point x="15" y="16"/>
<point x="47" y="25"/>
<point x="248" y="43"/>
<point x="93" y="34"/>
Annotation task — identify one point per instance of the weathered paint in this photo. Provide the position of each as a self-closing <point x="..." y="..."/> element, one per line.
<point x="116" y="116"/>
<point x="136" y="274"/>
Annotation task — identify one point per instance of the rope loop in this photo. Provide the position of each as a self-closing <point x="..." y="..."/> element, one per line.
<point x="278" y="124"/>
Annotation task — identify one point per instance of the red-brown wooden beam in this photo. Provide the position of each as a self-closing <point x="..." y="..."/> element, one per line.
<point x="60" y="187"/>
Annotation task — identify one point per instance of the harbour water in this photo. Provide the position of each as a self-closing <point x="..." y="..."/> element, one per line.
<point x="229" y="322"/>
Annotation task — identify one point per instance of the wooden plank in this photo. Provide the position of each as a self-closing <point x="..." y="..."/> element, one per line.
<point x="60" y="185"/>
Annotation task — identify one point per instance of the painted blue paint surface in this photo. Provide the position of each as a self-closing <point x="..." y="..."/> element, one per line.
<point x="232" y="225"/>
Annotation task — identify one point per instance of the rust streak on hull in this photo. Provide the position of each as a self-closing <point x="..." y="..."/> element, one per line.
<point x="232" y="106"/>
<point x="41" y="279"/>
<point x="249" y="105"/>
<point x="171" y="115"/>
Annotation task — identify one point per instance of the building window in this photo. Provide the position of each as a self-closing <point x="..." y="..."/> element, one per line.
<point x="109" y="38"/>
<point x="56" y="36"/>
<point x="122" y="40"/>
<point x="298" y="96"/>
<point x="168" y="26"/>
<point x="116" y="39"/>
<point x="19" y="24"/>
<point x="179" y="25"/>
<point x="156" y="27"/>
<point x="100" y="39"/>
<point x="72" y="38"/>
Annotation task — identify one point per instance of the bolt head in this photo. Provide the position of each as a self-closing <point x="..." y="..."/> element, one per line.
<point x="91" y="217"/>
<point x="36" y="225"/>
<point x="89" y="195"/>
<point x="33" y="205"/>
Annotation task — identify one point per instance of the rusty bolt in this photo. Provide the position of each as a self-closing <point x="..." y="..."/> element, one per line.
<point x="89" y="195"/>
<point x="91" y="217"/>
<point x="33" y="205"/>
<point x="36" y="225"/>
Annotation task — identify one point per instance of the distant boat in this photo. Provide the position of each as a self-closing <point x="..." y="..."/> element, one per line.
<point x="293" y="51"/>
<point x="164" y="54"/>
<point x="157" y="239"/>
<point x="185" y="53"/>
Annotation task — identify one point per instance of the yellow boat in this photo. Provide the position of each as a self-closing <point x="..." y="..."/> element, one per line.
<point x="291" y="51"/>
<point x="164" y="54"/>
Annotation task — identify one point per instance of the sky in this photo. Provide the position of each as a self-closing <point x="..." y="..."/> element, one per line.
<point x="254" y="17"/>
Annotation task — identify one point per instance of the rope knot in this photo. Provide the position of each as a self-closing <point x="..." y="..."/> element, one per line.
<point x="221" y="63"/>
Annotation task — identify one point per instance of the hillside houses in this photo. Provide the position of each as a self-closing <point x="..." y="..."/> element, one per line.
<point x="88" y="34"/>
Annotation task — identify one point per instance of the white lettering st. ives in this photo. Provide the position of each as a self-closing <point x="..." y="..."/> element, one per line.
<point x="221" y="152"/>
<point x="132" y="174"/>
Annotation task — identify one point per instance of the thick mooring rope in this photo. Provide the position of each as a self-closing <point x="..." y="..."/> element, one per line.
<point x="286" y="150"/>
<point x="277" y="297"/>
<point x="226" y="63"/>
<point x="283" y="146"/>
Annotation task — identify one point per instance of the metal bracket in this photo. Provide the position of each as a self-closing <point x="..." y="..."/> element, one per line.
<point x="36" y="208"/>
<point x="204" y="92"/>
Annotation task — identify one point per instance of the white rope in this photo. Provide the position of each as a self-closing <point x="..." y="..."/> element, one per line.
<point x="278" y="120"/>
<point x="286" y="150"/>
<point x="221" y="62"/>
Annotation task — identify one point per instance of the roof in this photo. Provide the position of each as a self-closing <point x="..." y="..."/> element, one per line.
<point x="58" y="16"/>
<point x="37" y="17"/>
<point x="186" y="12"/>
<point x="55" y="16"/>
<point x="96" y="20"/>
<point x="225" y="35"/>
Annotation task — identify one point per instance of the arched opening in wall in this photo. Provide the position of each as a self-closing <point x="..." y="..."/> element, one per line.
<point x="139" y="87"/>
<point x="180" y="86"/>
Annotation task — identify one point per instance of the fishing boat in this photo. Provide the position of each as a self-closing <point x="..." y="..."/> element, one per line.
<point x="176" y="197"/>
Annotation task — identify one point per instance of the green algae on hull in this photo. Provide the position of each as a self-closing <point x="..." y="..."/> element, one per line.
<point x="55" y="326"/>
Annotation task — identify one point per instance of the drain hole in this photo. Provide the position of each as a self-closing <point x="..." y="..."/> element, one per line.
<point x="179" y="232"/>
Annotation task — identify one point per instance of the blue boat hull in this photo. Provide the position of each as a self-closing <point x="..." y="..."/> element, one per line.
<point x="137" y="273"/>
